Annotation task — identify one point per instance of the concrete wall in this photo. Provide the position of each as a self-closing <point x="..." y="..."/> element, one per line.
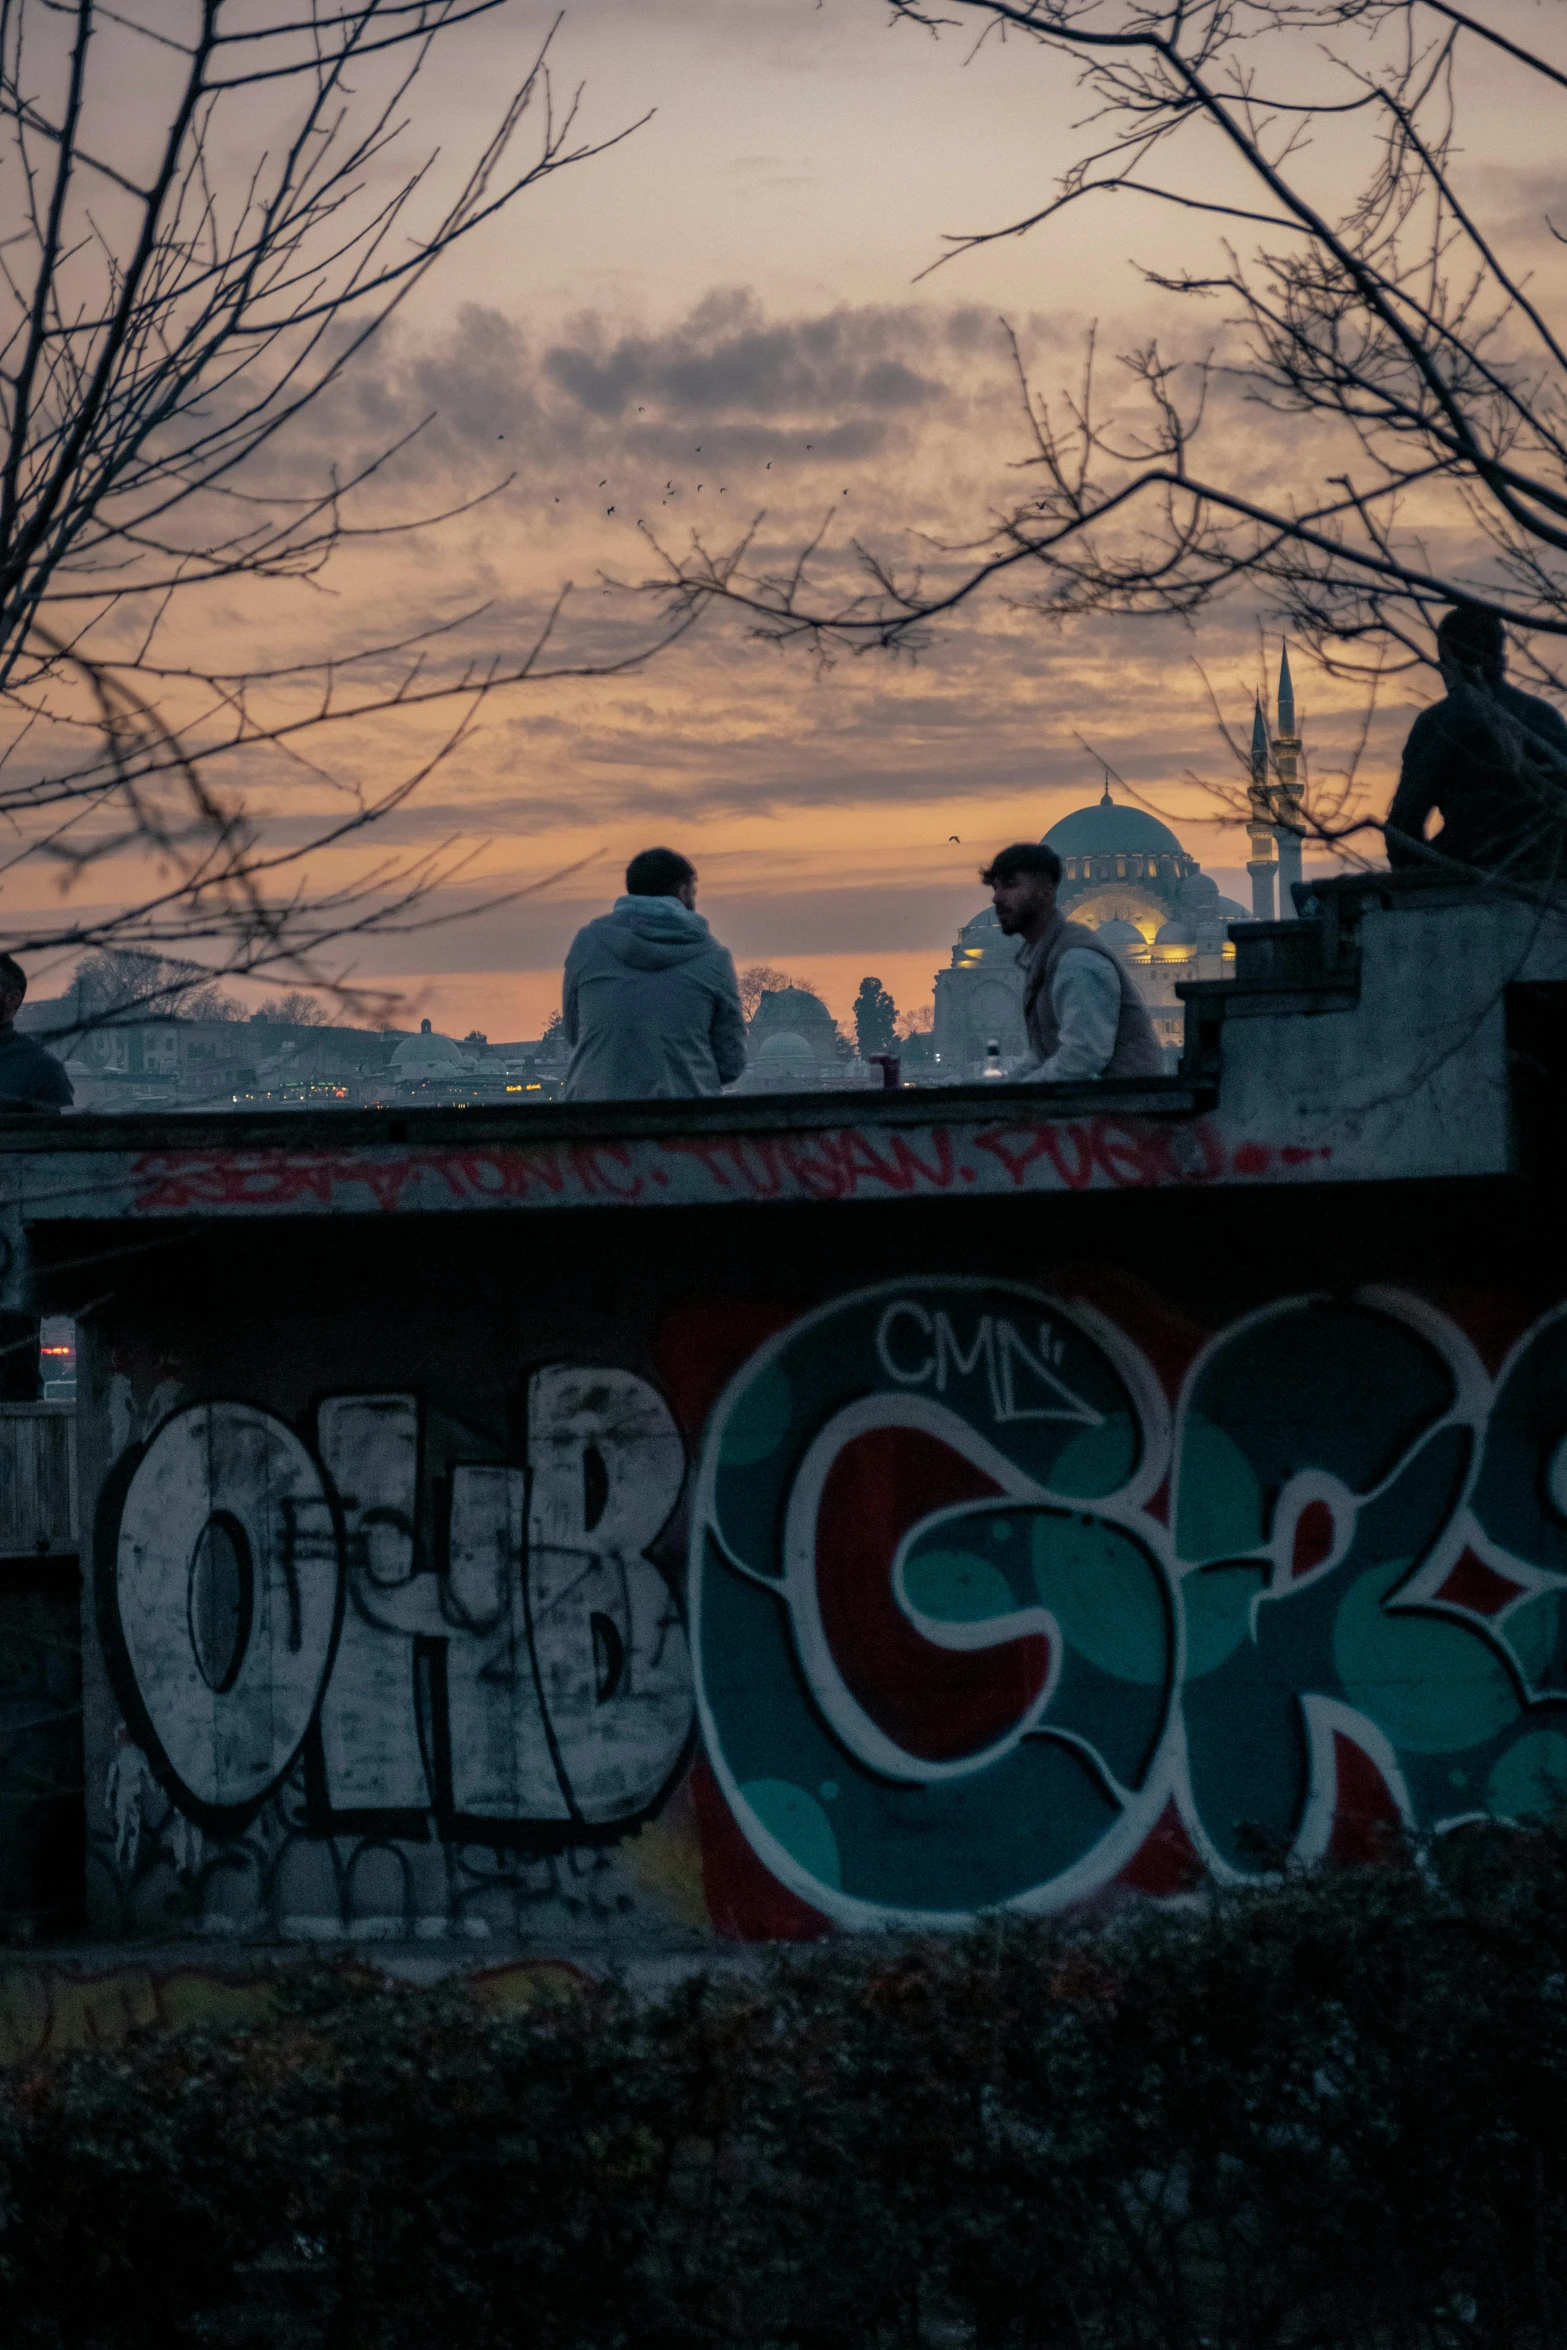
<point x="629" y="1527"/>
<point x="754" y="1576"/>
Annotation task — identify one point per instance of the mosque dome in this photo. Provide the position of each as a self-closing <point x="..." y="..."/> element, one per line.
<point x="1107" y="828"/>
<point x="784" y="1049"/>
<point x="1174" y="934"/>
<point x="982" y="940"/>
<point x="426" y="1054"/>
<point x="796" y="1013"/>
<point x="1119" y="934"/>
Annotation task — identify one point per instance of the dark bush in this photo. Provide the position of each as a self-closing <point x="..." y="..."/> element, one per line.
<point x="1324" y="2113"/>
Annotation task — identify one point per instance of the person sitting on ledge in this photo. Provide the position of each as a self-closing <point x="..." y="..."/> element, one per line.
<point x="1491" y="760"/>
<point x="30" y="1078"/>
<point x="1084" y="1015"/>
<point x="651" y="1004"/>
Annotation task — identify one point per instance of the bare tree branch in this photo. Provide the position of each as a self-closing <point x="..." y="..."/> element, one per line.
<point x="170" y="308"/>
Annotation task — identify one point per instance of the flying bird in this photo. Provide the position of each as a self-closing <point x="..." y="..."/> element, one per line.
<point x="952" y="836"/>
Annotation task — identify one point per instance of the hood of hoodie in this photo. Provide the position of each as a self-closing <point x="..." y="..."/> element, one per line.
<point x="650" y="934"/>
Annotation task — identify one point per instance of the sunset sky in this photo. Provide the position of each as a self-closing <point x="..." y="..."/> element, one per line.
<point x="721" y="316"/>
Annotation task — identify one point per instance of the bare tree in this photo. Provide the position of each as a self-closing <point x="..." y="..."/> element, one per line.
<point x="1356" y="302"/>
<point x="114" y="985"/>
<point x="208" y="215"/>
<point x="757" y="980"/>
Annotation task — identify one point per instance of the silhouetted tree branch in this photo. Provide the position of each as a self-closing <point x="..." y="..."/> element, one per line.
<point x="1407" y="371"/>
<point x="206" y="219"/>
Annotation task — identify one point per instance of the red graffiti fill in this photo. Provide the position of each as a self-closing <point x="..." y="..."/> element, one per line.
<point x="1313" y="1540"/>
<point x="1166" y="1861"/>
<point x="936" y="1703"/>
<point x="1477" y="1587"/>
<point x="745" y="1902"/>
<point x="1366" y="1825"/>
<point x="701" y="1343"/>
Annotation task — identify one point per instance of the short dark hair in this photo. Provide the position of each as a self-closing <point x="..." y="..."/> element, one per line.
<point x="13" y="979"/>
<point x="1474" y="638"/>
<point x="1024" y="856"/>
<point x="658" y="873"/>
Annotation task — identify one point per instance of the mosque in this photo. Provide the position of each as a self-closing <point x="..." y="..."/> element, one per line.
<point x="1126" y="876"/>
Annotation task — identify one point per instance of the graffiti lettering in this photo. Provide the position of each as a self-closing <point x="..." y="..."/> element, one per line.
<point x="226" y="1589"/>
<point x="1126" y="1153"/>
<point x="527" y="1674"/>
<point x="950" y="1655"/>
<point x="996" y="1348"/>
<point x="978" y="1615"/>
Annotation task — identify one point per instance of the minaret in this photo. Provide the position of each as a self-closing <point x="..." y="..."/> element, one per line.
<point x="1261" y="864"/>
<point x="1290" y="794"/>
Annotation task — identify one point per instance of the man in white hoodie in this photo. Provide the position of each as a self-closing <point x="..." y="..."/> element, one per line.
<point x="651" y="1004"/>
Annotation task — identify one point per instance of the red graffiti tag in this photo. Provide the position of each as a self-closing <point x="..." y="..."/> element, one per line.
<point x="842" y="1163"/>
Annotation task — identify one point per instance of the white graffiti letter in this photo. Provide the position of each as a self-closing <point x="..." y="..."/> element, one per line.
<point x="227" y="1590"/>
<point x="369" y="1723"/>
<point x="614" y="1672"/>
<point x="502" y="1766"/>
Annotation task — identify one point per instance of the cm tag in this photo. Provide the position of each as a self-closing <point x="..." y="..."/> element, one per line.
<point x="227" y="1590"/>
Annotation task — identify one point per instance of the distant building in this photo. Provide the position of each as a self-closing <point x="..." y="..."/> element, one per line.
<point x="794" y="1046"/>
<point x="1277" y="798"/>
<point x="795" y="1012"/>
<point x="156" y="1061"/>
<point x="1126" y="876"/>
<point x="162" y="1061"/>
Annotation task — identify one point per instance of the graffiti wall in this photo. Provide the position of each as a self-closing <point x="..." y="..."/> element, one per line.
<point x="943" y="1595"/>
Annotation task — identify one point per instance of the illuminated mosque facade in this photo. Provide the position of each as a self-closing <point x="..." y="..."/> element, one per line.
<point x="1126" y="876"/>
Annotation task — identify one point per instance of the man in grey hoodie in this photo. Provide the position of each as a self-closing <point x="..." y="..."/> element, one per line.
<point x="651" y="1004"/>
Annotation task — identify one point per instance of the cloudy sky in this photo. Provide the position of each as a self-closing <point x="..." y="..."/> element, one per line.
<point x="723" y="318"/>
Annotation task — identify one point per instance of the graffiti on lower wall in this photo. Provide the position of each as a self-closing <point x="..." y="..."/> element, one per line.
<point x="974" y="1612"/>
<point x="301" y="1637"/>
<point x="988" y="1604"/>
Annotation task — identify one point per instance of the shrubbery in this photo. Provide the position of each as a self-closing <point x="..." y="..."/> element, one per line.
<point x="1327" y="2113"/>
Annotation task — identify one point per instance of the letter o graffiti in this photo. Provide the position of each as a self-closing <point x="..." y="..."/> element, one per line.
<point x="227" y="1736"/>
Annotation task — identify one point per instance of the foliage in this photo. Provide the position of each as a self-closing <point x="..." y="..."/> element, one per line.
<point x="875" y="1019"/>
<point x="1326" y="2112"/>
